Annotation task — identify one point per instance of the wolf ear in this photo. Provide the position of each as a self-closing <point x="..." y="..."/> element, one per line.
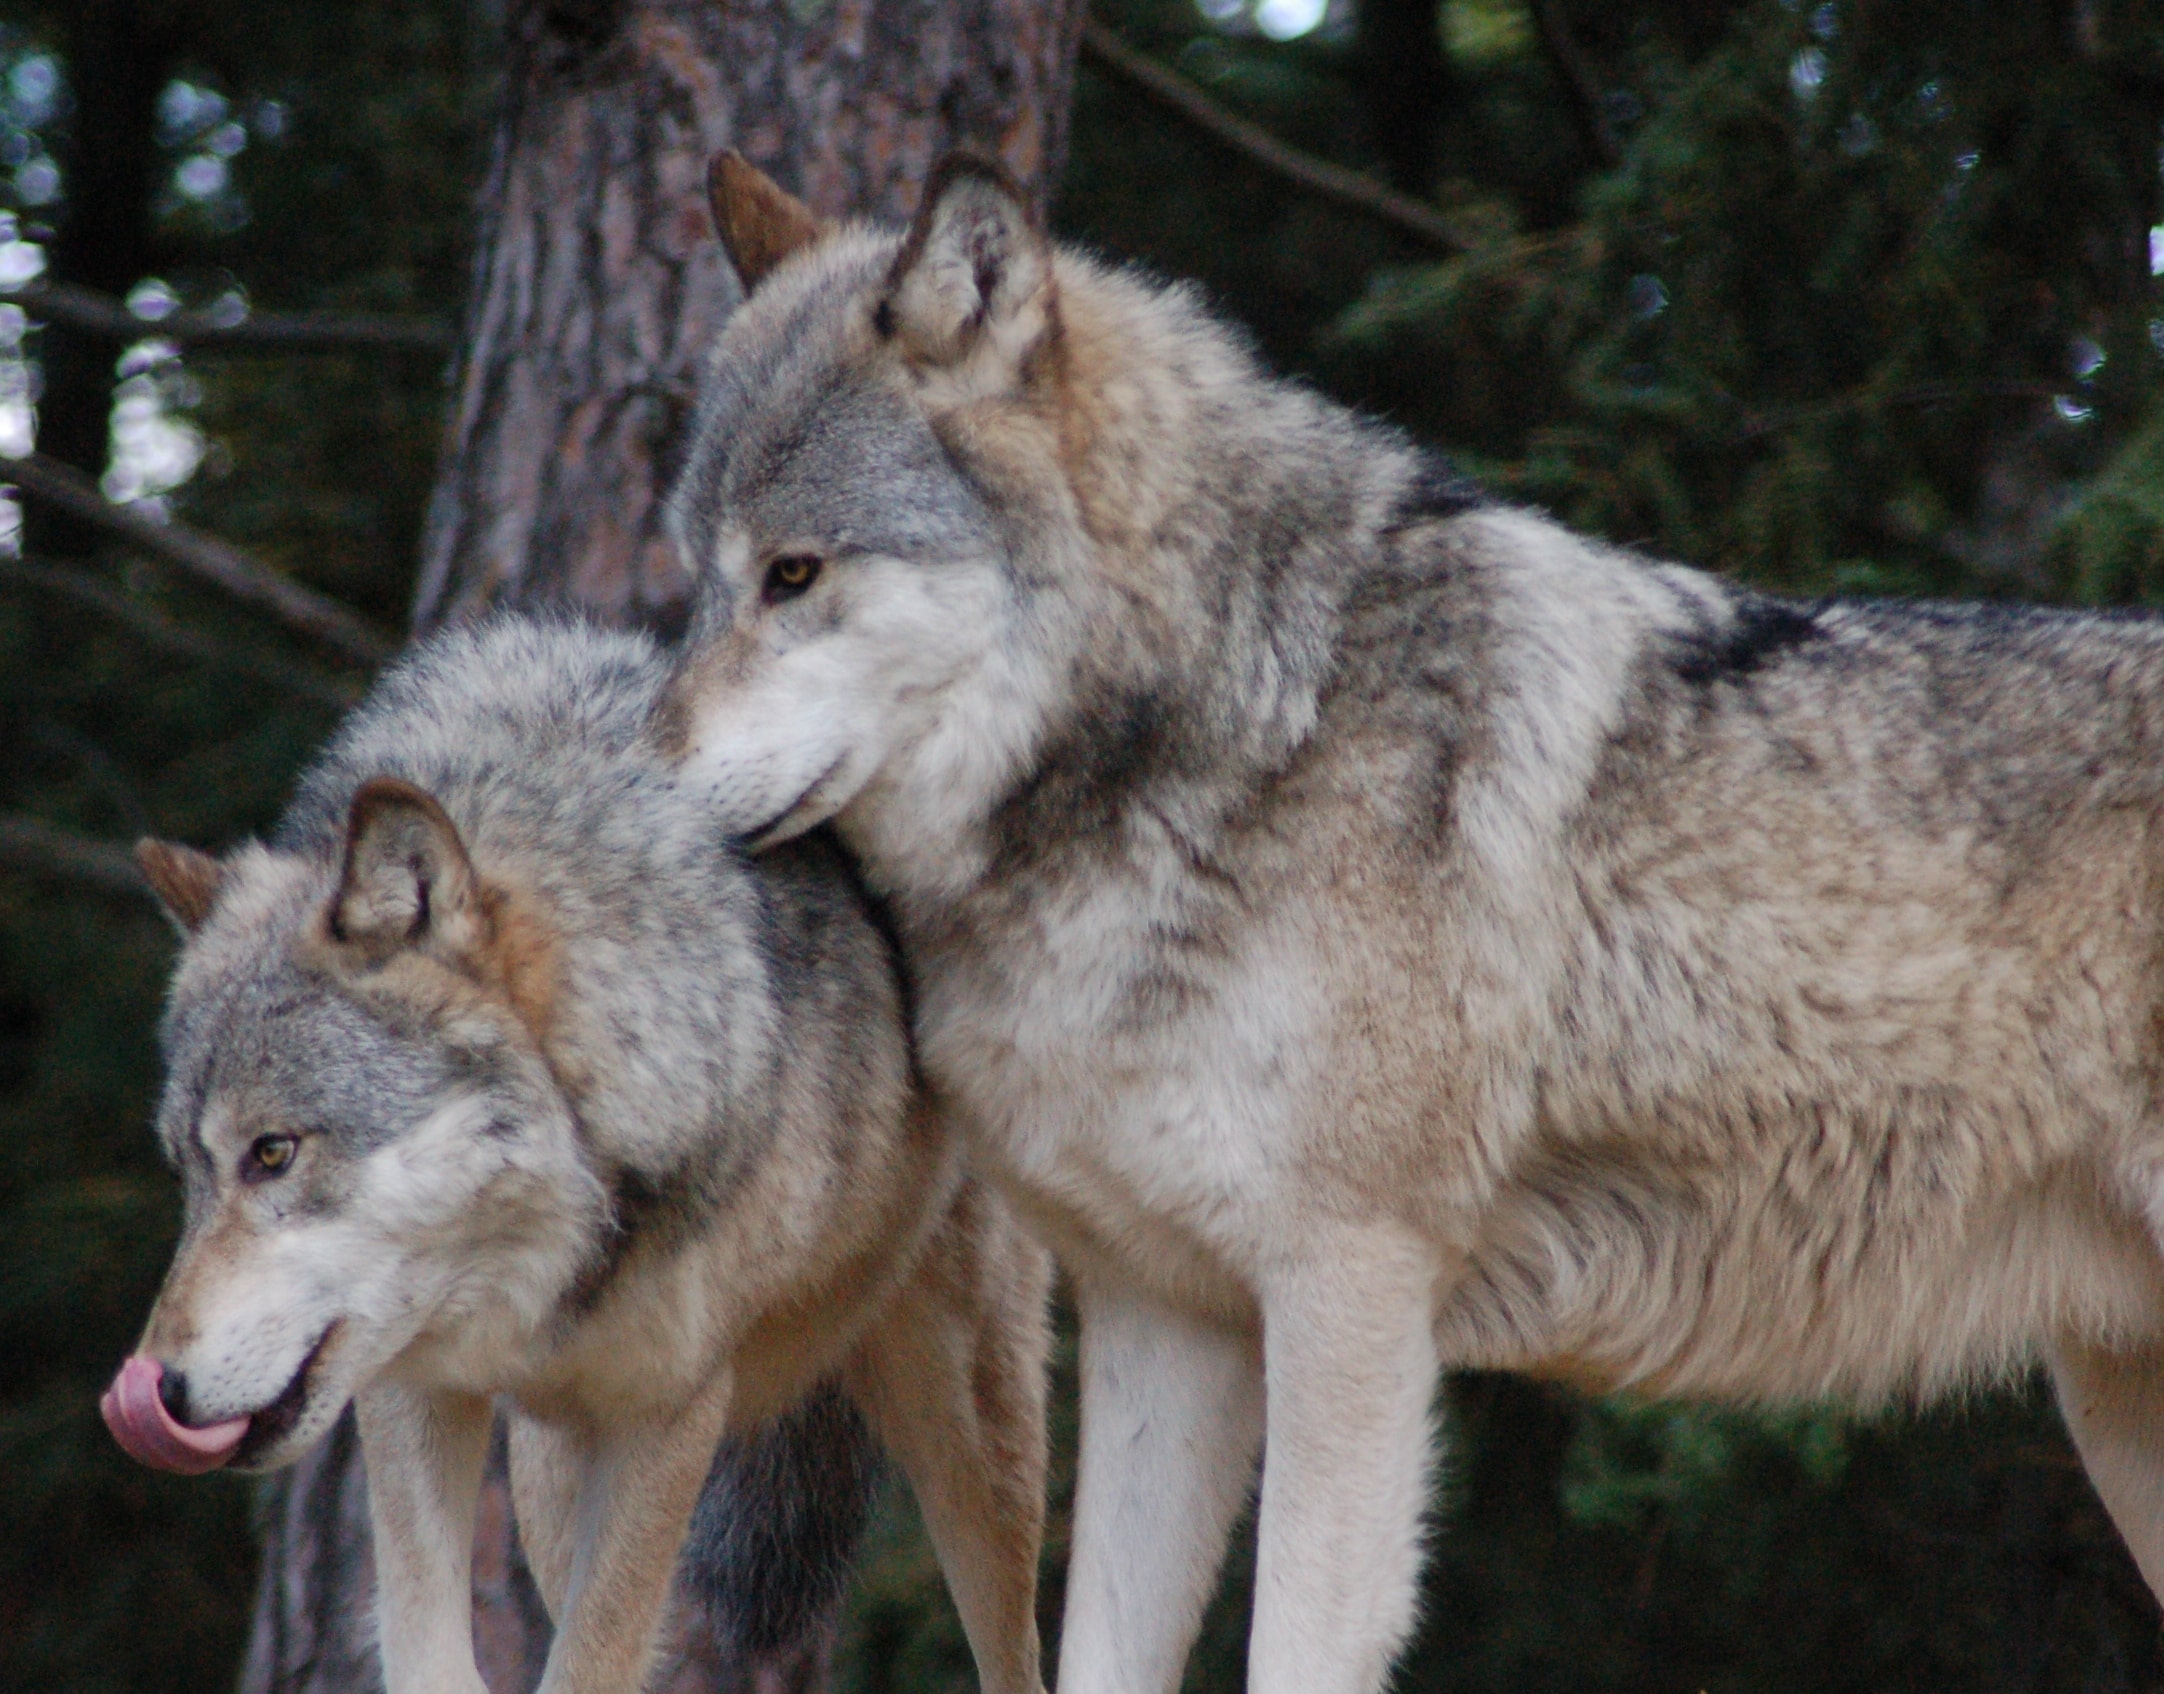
<point x="973" y="282"/>
<point x="759" y="222"/>
<point x="186" y="882"/>
<point x="406" y="878"/>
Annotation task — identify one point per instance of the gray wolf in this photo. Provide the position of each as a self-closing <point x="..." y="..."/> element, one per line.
<point x="498" y="1071"/>
<point x="1366" y="928"/>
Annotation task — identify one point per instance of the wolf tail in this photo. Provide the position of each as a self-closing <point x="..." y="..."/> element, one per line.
<point x="778" y="1524"/>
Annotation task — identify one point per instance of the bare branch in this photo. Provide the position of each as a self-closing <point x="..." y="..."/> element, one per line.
<point x="37" y="848"/>
<point x="216" y="562"/>
<point x="269" y="332"/>
<point x="1402" y="212"/>
<point x="1757" y="425"/>
<point x="176" y="637"/>
<point x="1575" y="72"/>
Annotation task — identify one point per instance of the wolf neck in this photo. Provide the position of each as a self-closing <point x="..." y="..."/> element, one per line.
<point x="1218" y="520"/>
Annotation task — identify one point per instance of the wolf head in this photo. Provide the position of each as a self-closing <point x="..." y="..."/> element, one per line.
<point x="955" y="496"/>
<point x="375" y="1155"/>
<point x="854" y="566"/>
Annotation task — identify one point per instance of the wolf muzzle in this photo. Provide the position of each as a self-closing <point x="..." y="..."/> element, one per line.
<point x="135" y="1411"/>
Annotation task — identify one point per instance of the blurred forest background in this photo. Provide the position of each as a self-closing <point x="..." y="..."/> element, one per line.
<point x="1857" y="297"/>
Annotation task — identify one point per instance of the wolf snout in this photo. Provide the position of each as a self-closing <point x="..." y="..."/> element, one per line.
<point x="136" y="1412"/>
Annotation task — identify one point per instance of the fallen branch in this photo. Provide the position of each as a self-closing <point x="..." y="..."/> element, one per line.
<point x="214" y="561"/>
<point x="1402" y="212"/>
<point x="37" y="848"/>
<point x="159" y="630"/>
<point x="270" y="332"/>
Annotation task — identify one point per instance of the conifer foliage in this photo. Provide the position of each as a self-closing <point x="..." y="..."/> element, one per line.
<point x="1856" y="297"/>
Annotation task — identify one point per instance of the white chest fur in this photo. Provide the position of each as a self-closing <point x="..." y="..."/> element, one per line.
<point x="1145" y="1108"/>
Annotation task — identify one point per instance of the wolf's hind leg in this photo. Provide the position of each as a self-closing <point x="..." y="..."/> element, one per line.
<point x="952" y="1378"/>
<point x="548" y="1467"/>
<point x="1171" y="1420"/>
<point x="424" y="1455"/>
<point x="2113" y="1403"/>
<point x="1349" y="1351"/>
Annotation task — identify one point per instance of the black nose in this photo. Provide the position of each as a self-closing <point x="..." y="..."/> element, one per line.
<point x="173" y="1391"/>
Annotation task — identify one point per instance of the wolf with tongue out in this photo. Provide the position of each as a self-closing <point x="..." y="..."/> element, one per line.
<point x="137" y="1412"/>
<point x="499" y="1072"/>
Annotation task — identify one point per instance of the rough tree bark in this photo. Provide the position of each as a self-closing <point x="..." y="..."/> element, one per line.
<point x="600" y="282"/>
<point x="598" y="285"/>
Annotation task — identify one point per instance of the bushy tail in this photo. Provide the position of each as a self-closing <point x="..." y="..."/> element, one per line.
<point x="778" y="1525"/>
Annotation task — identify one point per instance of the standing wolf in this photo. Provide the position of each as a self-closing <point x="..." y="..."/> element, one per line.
<point x="498" y="1072"/>
<point x="1368" y="929"/>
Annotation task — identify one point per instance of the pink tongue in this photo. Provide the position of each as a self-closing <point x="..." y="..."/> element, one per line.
<point x="148" y="1432"/>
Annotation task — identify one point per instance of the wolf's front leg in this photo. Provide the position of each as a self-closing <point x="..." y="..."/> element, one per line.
<point x="1171" y="1418"/>
<point x="634" y="1505"/>
<point x="1349" y="1354"/>
<point x="952" y="1379"/>
<point x="424" y="1454"/>
<point x="548" y="1468"/>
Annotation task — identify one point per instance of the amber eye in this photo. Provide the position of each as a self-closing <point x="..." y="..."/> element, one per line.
<point x="269" y="1155"/>
<point x="789" y="575"/>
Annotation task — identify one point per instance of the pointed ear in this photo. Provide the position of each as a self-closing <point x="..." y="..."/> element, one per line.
<point x="973" y="282"/>
<point x="759" y="222"/>
<point x="186" y="882"/>
<point x="407" y="880"/>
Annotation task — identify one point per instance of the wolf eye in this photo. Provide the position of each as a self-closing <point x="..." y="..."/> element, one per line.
<point x="269" y="1155"/>
<point x="788" y="576"/>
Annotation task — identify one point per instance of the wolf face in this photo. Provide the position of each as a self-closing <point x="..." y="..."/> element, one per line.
<point x="372" y="1149"/>
<point x="870" y="476"/>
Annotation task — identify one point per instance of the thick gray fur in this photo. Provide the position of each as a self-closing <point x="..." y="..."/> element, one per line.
<point x="526" y="729"/>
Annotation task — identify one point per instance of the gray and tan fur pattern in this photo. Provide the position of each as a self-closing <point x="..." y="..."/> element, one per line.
<point x="498" y="1072"/>
<point x="1367" y="929"/>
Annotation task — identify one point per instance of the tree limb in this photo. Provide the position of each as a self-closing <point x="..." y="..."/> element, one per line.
<point x="37" y="848"/>
<point x="94" y="313"/>
<point x="1572" y="69"/>
<point x="160" y="630"/>
<point x="216" y="562"/>
<point x="1757" y="425"/>
<point x="1318" y="176"/>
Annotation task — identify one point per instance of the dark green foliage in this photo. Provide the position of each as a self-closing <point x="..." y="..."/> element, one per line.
<point x="1788" y="334"/>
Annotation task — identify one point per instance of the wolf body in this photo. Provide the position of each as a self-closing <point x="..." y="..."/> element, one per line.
<point x="1369" y="929"/>
<point x="500" y="1072"/>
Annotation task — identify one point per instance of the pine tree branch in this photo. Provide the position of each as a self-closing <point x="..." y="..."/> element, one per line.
<point x="216" y="562"/>
<point x="1402" y="212"/>
<point x="94" y="313"/>
<point x="37" y="848"/>
<point x="159" y="630"/>
<point x="1575" y="72"/>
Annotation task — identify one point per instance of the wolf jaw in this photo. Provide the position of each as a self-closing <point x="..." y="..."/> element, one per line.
<point x="1365" y="928"/>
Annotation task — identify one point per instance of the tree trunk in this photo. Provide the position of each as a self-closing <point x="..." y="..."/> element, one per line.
<point x="105" y="238"/>
<point x="598" y="285"/>
<point x="1405" y="81"/>
<point x="600" y="282"/>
